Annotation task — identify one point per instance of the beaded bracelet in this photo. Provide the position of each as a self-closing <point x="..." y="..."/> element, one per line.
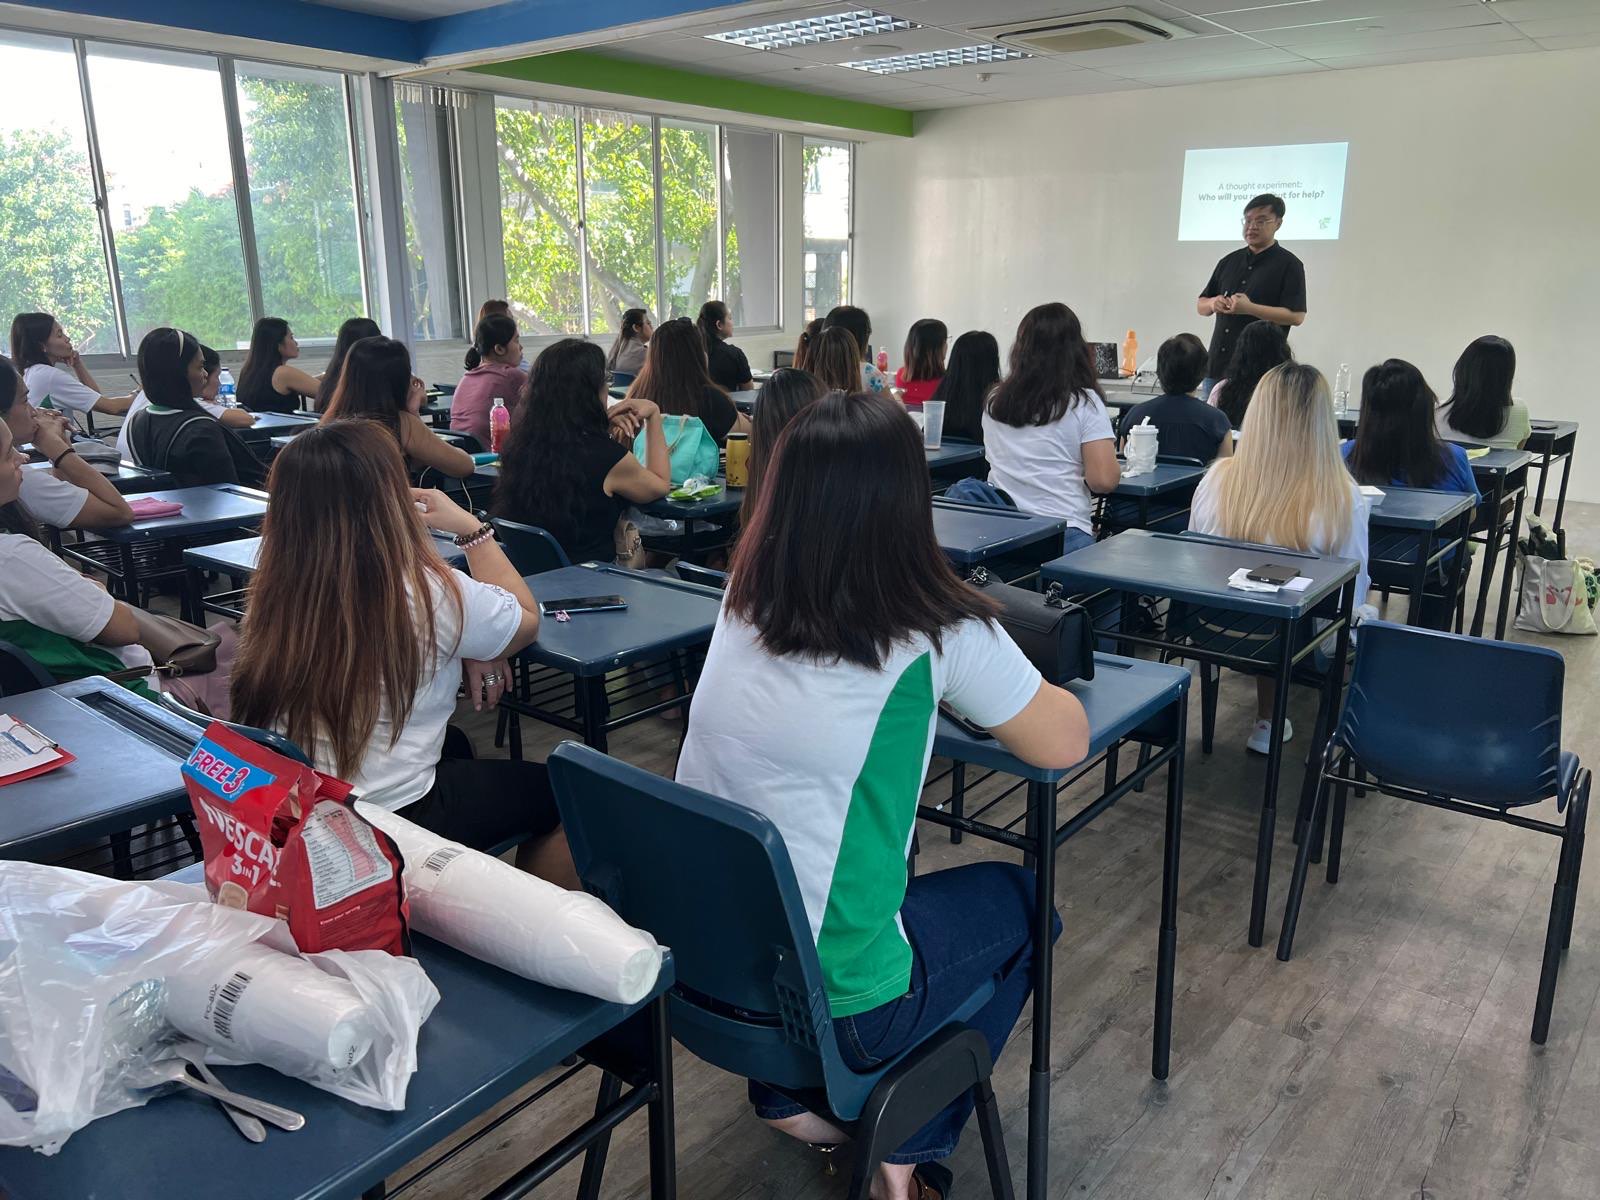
<point x="484" y="533"/>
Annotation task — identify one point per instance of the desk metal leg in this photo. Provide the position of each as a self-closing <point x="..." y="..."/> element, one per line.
<point x="130" y="590"/>
<point x="591" y="692"/>
<point x="1511" y="562"/>
<point x="958" y="797"/>
<point x="1491" y="557"/>
<point x="1167" y="942"/>
<point x="1327" y="720"/>
<point x="194" y="595"/>
<point x="663" y="1135"/>
<point x="1561" y="496"/>
<point x="1543" y="466"/>
<point x="1042" y="804"/>
<point x="1269" y="799"/>
<point x="1419" y="580"/>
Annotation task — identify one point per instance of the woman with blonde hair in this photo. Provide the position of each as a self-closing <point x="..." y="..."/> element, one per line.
<point x="1286" y="485"/>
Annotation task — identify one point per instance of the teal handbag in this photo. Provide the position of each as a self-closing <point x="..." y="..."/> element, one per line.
<point x="689" y="445"/>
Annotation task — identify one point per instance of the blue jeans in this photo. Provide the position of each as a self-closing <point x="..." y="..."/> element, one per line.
<point x="967" y="926"/>
<point x="1074" y="540"/>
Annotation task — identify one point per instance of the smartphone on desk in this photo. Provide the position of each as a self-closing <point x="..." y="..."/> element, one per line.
<point x="1273" y="573"/>
<point x="582" y="604"/>
<point x="968" y="726"/>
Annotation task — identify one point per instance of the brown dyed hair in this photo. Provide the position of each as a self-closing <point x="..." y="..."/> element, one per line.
<point x="1051" y="367"/>
<point x="786" y="391"/>
<point x="802" y="348"/>
<point x="836" y="360"/>
<point x="342" y="602"/>
<point x="675" y="375"/>
<point x="840" y="562"/>
<point x="924" y="351"/>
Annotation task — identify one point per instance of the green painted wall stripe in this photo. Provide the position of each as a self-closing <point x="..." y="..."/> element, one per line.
<point x="596" y="72"/>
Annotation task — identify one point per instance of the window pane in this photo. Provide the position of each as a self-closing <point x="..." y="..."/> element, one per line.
<point x="539" y="214"/>
<point x="750" y="217"/>
<point x="688" y="216"/>
<point x="169" y="183"/>
<point x="619" y="200"/>
<point x="51" y="259"/>
<point x="826" y="221"/>
<point x="428" y="199"/>
<point x="297" y="149"/>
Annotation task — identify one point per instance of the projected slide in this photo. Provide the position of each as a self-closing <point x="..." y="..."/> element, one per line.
<point x="1217" y="183"/>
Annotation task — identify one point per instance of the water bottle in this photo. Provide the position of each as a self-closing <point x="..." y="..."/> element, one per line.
<point x="1341" y="390"/>
<point x="1130" y="355"/>
<point x="226" y="392"/>
<point x="499" y="423"/>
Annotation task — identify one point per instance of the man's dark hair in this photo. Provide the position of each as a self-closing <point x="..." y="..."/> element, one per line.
<point x="1268" y="200"/>
<point x="1181" y="364"/>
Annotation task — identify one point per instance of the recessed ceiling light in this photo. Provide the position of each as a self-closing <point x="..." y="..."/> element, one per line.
<point x="932" y="60"/>
<point x="810" y="31"/>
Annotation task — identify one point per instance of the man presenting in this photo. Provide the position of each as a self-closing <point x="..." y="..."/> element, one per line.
<point x="1260" y="282"/>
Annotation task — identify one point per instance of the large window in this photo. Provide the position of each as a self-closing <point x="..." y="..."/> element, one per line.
<point x="619" y="198"/>
<point x="825" y="216"/>
<point x="428" y="197"/>
<point x="688" y="217"/>
<point x="539" y="214"/>
<point x="750" y="226"/>
<point x="126" y="193"/>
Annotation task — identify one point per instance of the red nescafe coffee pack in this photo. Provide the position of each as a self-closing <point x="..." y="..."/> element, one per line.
<point x="283" y="840"/>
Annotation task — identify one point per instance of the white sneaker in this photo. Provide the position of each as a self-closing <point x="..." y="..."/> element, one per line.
<point x="1261" y="736"/>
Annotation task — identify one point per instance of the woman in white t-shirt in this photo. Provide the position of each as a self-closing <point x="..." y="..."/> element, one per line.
<point x="56" y="376"/>
<point x="1046" y="432"/>
<point x="357" y="636"/>
<point x="842" y="630"/>
<point x="1286" y="485"/>
<point x="207" y="401"/>
<point x="68" y="493"/>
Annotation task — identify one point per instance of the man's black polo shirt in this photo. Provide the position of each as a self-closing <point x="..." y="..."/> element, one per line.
<point x="1274" y="277"/>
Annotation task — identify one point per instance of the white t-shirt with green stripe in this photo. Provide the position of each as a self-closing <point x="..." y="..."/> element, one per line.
<point x="835" y="755"/>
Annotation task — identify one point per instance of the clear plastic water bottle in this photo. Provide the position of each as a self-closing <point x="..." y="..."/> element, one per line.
<point x="226" y="391"/>
<point x="499" y="423"/>
<point x="1341" y="391"/>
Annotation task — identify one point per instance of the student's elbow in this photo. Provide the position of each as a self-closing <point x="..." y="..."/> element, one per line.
<point x="527" y="632"/>
<point x="104" y="514"/>
<point x="1103" y="480"/>
<point x="1297" y="318"/>
<point x="121" y="630"/>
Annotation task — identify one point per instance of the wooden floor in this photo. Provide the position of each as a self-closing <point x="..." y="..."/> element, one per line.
<point x="1389" y="1059"/>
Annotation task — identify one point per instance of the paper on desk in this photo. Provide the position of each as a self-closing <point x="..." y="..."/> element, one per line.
<point x="1477" y="452"/>
<point x="1241" y="581"/>
<point x="23" y="748"/>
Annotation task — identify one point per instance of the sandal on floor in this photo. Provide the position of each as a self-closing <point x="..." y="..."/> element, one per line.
<point x="933" y="1181"/>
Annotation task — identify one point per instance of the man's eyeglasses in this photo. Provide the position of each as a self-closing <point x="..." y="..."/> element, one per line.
<point x="1258" y="222"/>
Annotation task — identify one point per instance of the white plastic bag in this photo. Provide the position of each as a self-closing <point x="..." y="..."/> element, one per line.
<point x="1555" y="597"/>
<point x="519" y="922"/>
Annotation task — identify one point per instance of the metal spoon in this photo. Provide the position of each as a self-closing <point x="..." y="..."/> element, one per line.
<point x="195" y="1055"/>
<point x="176" y="1070"/>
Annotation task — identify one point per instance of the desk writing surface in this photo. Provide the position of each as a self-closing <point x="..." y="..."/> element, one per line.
<point x="214" y="506"/>
<point x="971" y="533"/>
<point x="1196" y="569"/>
<point x="1500" y="462"/>
<point x="722" y="504"/>
<point x="1416" y="508"/>
<point x="953" y="454"/>
<point x="662" y="614"/>
<point x="239" y="557"/>
<point x="1167" y="477"/>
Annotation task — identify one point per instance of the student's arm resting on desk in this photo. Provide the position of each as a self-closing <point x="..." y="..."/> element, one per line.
<point x="1100" y="470"/>
<point x="1051" y="732"/>
<point x="631" y="479"/>
<point x="422" y="445"/>
<point x="105" y="508"/>
<point x="237" y="418"/>
<point x="487" y="561"/>
<point x="990" y="681"/>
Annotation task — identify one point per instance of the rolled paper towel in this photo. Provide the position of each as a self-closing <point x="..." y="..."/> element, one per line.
<point x="260" y="1005"/>
<point x="519" y="922"/>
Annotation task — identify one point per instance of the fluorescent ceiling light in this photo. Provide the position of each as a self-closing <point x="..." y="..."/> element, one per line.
<point x="809" y="31"/>
<point x="930" y="60"/>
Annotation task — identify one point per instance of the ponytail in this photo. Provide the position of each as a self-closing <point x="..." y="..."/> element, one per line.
<point x="712" y="314"/>
<point x="496" y="329"/>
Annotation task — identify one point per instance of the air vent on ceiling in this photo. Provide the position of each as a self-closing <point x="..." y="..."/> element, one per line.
<point x="1108" y="29"/>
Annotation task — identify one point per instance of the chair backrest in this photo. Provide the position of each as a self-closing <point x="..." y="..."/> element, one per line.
<point x="1454" y="715"/>
<point x="621" y="379"/>
<point x="978" y="491"/>
<point x="694" y="573"/>
<point x="20" y="671"/>
<point x="1180" y="460"/>
<point x="275" y="742"/>
<point x="530" y="549"/>
<point x="712" y="880"/>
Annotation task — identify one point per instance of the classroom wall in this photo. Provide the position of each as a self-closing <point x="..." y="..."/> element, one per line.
<point x="1471" y="205"/>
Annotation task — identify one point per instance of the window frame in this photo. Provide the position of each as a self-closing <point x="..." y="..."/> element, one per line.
<point x="850" y="217"/>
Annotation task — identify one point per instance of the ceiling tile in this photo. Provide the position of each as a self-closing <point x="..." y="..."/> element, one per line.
<point x="1244" y="60"/>
<point x="1380" y="43"/>
<point x="1433" y="54"/>
<point x="1561" y="26"/>
<point x="1574" y="42"/>
<point x="1541" y="10"/>
<point x="1346" y="14"/>
<point x="1183" y="78"/>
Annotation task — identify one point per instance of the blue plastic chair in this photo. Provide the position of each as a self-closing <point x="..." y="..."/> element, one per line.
<point x="20" y="672"/>
<point x="275" y="742"/>
<point x="621" y="379"/>
<point x="712" y="879"/>
<point x="694" y="573"/>
<point x="530" y="549"/>
<point x="1487" y="740"/>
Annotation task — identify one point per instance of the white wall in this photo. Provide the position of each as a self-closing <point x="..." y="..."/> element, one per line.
<point x="1472" y="206"/>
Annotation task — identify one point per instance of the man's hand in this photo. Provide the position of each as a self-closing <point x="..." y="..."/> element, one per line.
<point x="1241" y="305"/>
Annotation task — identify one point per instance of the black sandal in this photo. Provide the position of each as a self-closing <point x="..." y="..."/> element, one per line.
<point x="933" y="1181"/>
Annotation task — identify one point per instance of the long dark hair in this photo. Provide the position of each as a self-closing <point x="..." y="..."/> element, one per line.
<point x="856" y="320"/>
<point x="164" y="357"/>
<point x="632" y="320"/>
<point x="836" y="359"/>
<point x="562" y="405"/>
<point x="1051" y="367"/>
<point x="924" y="354"/>
<point x="374" y="384"/>
<point x="1480" y="387"/>
<point x="1261" y="346"/>
<point x="802" y="348"/>
<point x="839" y="562"/>
<point x="29" y="333"/>
<point x="712" y="314"/>
<point x="496" y="329"/>
<point x="262" y="359"/>
<point x="351" y="332"/>
<point x="13" y="517"/>
<point x="970" y="376"/>
<point x="786" y="391"/>
<point x="1396" y="440"/>
<point x="675" y="374"/>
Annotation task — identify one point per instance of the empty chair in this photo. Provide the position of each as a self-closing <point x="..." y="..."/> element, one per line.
<point x="530" y="549"/>
<point x="713" y="880"/>
<point x="1484" y="739"/>
<point x="273" y="741"/>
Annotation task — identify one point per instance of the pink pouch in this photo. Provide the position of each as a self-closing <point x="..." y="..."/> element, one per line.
<point x="149" y="508"/>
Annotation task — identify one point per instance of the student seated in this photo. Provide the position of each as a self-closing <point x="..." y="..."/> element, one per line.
<point x="173" y="433"/>
<point x="233" y="418"/>
<point x="1261" y="347"/>
<point x="858" y="324"/>
<point x="919" y="378"/>
<point x="675" y="379"/>
<point x="1286" y="485"/>
<point x="633" y="342"/>
<point x="1046" y="432"/>
<point x="563" y="469"/>
<point x="970" y="376"/>
<point x="835" y="360"/>
<point x="377" y="385"/>
<point x="358" y="636"/>
<point x="69" y="624"/>
<point x="802" y="348"/>
<point x="729" y="368"/>
<point x="784" y="394"/>
<point x="500" y="308"/>
<point x="269" y="381"/>
<point x="842" y="630"/>
<point x="1186" y="426"/>
<point x="1481" y="409"/>
<point x="351" y="332"/>
<point x="54" y="371"/>
<point x="492" y="371"/>
<point x="71" y="494"/>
